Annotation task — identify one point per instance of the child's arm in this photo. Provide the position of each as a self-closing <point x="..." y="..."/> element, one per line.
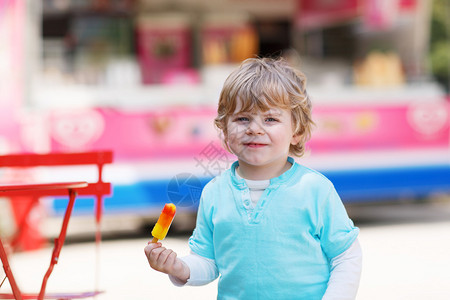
<point x="345" y="274"/>
<point x="202" y="270"/>
<point x="166" y="261"/>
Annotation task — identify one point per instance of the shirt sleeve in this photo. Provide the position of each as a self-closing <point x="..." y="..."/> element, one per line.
<point x="345" y="274"/>
<point x="201" y="241"/>
<point x="335" y="229"/>
<point x="202" y="270"/>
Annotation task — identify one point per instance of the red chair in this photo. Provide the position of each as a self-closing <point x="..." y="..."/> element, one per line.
<point x="34" y="191"/>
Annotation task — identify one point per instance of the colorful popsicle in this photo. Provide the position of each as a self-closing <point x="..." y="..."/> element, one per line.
<point x="161" y="228"/>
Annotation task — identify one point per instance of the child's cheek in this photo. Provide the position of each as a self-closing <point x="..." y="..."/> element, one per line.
<point x="234" y="131"/>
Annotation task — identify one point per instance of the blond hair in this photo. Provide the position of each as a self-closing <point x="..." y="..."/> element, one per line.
<point x="264" y="83"/>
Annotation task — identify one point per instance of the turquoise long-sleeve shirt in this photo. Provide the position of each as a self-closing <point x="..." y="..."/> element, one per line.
<point x="283" y="250"/>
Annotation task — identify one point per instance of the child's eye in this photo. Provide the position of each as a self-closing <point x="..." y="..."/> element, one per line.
<point x="270" y="119"/>
<point x="242" y="119"/>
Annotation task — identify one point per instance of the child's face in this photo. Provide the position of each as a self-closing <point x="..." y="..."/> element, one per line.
<point x="261" y="139"/>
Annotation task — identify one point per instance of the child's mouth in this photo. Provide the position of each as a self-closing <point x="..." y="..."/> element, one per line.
<point x="254" y="145"/>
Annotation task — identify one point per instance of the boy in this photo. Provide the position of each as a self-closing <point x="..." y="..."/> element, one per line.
<point x="271" y="228"/>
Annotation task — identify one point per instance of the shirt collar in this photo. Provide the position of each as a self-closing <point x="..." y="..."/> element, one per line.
<point x="274" y="182"/>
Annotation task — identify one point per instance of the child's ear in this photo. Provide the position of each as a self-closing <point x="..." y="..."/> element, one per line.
<point x="223" y="136"/>
<point x="296" y="138"/>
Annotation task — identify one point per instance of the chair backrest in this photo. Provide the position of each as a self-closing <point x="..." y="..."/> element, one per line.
<point x="98" y="158"/>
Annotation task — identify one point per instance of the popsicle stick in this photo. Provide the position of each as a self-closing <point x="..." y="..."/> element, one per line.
<point x="155" y="240"/>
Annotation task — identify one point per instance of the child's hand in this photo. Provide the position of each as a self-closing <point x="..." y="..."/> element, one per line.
<point x="166" y="261"/>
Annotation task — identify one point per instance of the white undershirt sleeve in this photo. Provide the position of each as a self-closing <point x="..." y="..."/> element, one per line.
<point x="202" y="270"/>
<point x="345" y="274"/>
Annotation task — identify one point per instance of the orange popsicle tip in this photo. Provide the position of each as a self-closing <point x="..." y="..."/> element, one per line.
<point x="161" y="228"/>
<point x="169" y="209"/>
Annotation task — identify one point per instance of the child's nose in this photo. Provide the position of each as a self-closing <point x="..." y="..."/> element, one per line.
<point x="255" y="128"/>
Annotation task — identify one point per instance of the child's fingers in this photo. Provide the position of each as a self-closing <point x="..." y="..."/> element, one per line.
<point x="150" y="247"/>
<point x="154" y="258"/>
<point x="169" y="264"/>
<point x="157" y="243"/>
<point x="155" y="254"/>
<point x="160" y="258"/>
<point x="163" y="256"/>
<point x="171" y="260"/>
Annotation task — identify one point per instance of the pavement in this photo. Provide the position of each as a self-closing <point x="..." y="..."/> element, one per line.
<point x="406" y="255"/>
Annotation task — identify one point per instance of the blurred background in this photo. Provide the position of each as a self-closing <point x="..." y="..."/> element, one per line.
<point x="142" y="78"/>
